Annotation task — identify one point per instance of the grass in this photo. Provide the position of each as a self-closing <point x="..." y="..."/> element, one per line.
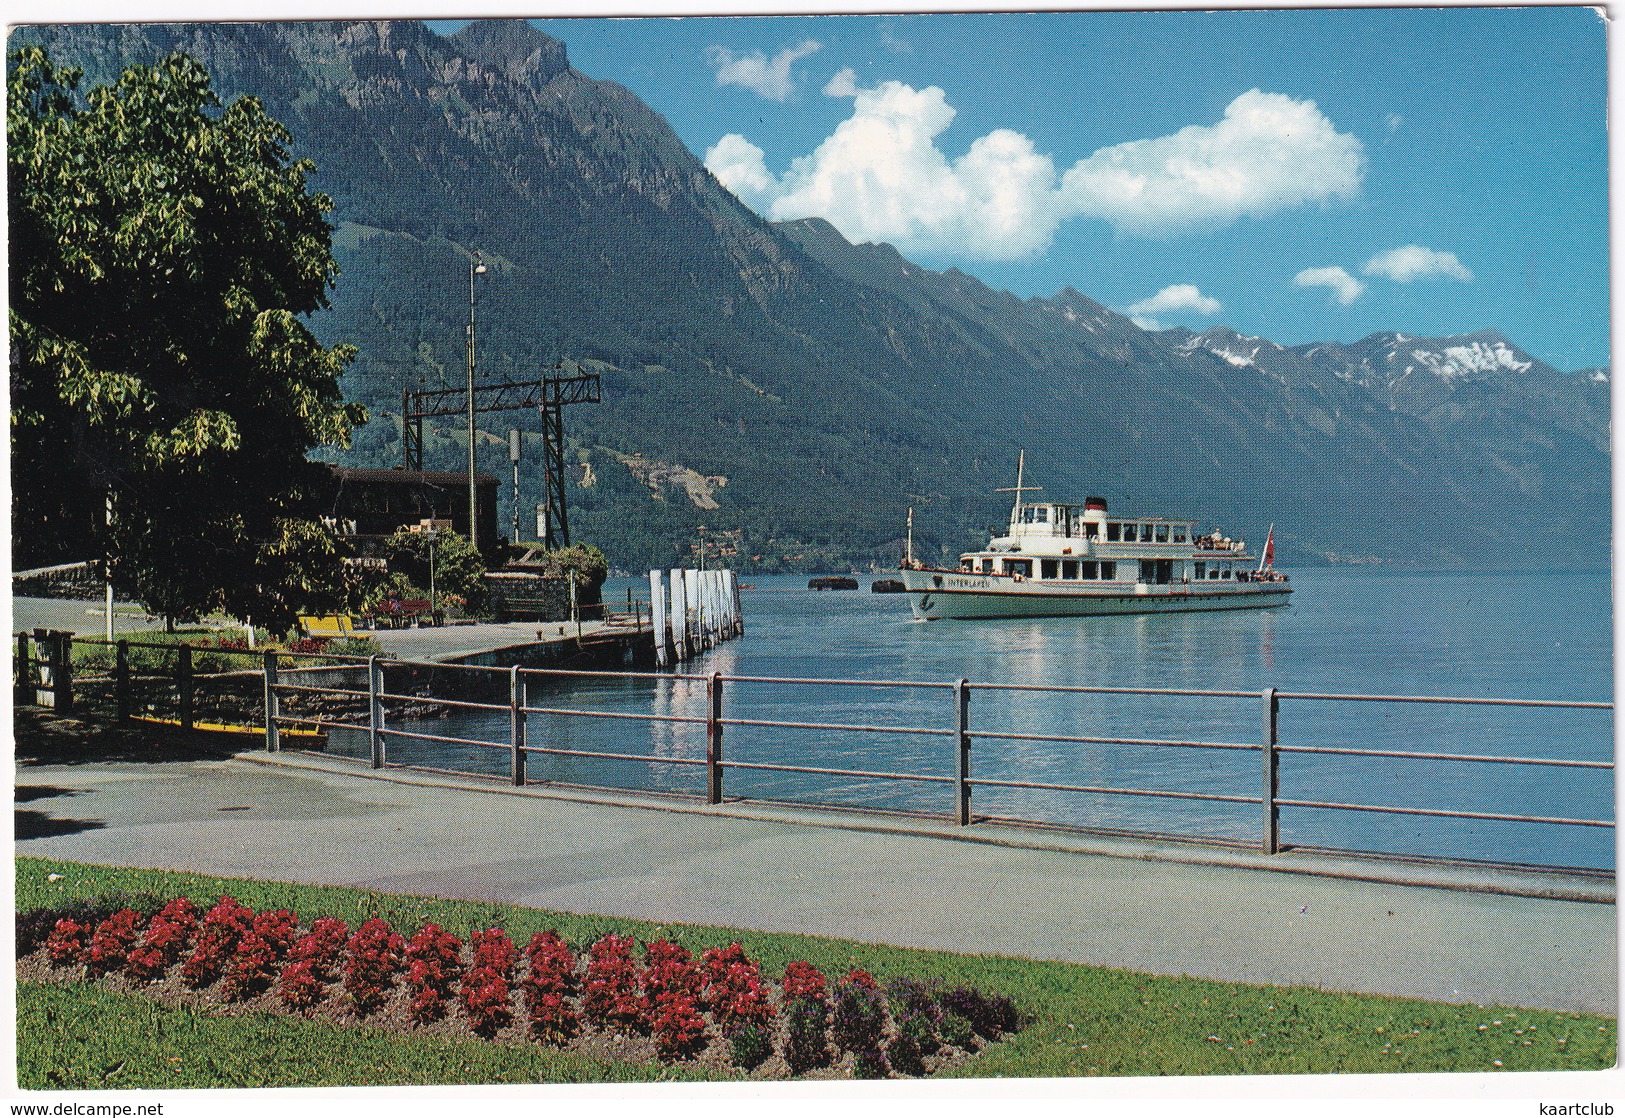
<point x="1084" y="1021"/>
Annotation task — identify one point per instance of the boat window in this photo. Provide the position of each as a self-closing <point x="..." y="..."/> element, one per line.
<point x="1091" y="569"/>
<point x="1130" y="533"/>
<point x="1048" y="568"/>
<point x="1213" y="571"/>
<point x="1179" y="533"/>
<point x="1069" y="568"/>
<point x="1108" y="570"/>
<point x="1225" y="571"/>
<point x="1091" y="530"/>
<point x="1043" y="514"/>
<point x="987" y="566"/>
<point x="1113" y="531"/>
<point x="1022" y="567"/>
<point x="1162" y="533"/>
<point x="1148" y="570"/>
<point x="1201" y="569"/>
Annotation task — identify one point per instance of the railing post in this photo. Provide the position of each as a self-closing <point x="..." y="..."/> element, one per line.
<point x="516" y="724"/>
<point x="713" y="738"/>
<point x="375" y="711"/>
<point x="62" y="674"/>
<point x="1272" y="772"/>
<point x="273" y="705"/>
<point x="24" y="689"/>
<point x="121" y="680"/>
<point x="962" y="753"/>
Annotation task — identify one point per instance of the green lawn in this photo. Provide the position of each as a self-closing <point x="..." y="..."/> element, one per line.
<point x="1084" y="1020"/>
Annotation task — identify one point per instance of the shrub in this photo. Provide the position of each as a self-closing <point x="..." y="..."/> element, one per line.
<point x="612" y="997"/>
<point x="299" y="987"/>
<point x="375" y="956"/>
<point x="110" y="945"/>
<point x="671" y="990"/>
<point x="750" y="1045"/>
<point x="487" y="1001"/>
<point x="35" y="927"/>
<point x="253" y="968"/>
<point x="955" y="1030"/>
<point x="858" y="1026"/>
<point x="223" y="927"/>
<point x="547" y="987"/>
<point x="493" y="949"/>
<point x="806" y="1046"/>
<point x="803" y="980"/>
<point x="160" y="949"/>
<point x="321" y="947"/>
<point x="915" y="1012"/>
<point x="733" y="988"/>
<point x="433" y="962"/>
<point x="989" y="1017"/>
<point x="66" y="944"/>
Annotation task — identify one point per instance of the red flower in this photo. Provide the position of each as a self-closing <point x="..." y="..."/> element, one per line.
<point x="299" y="987"/>
<point x="66" y="943"/>
<point x="612" y="998"/>
<point x="375" y="956"/>
<point x="733" y="987"/>
<point x="110" y="946"/>
<point x="547" y="988"/>
<point x="861" y="978"/>
<point x="487" y="1001"/>
<point x="223" y="927"/>
<point x="803" y="980"/>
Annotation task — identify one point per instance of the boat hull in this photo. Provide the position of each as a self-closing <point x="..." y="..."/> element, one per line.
<point x="947" y="595"/>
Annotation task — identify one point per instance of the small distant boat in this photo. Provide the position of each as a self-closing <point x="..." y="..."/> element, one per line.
<point x="887" y="586"/>
<point x="1061" y="560"/>
<point x="833" y="582"/>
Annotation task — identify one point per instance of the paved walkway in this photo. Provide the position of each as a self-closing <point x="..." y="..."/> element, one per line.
<point x="304" y="822"/>
<point x="449" y="642"/>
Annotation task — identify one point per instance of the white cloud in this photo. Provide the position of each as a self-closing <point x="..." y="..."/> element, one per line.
<point x="844" y="83"/>
<point x="1413" y="262"/>
<point x="753" y="71"/>
<point x="1269" y="153"/>
<point x="893" y="43"/>
<point x="1344" y="287"/>
<point x="1393" y="121"/>
<point x="1175" y="297"/>
<point x="880" y="176"/>
<point x="1146" y="322"/>
<point x="741" y="167"/>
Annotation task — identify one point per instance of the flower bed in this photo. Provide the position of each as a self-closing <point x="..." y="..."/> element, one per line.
<point x="650" y="1002"/>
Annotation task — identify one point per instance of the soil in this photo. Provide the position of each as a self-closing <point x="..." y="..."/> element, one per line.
<point x="715" y="1059"/>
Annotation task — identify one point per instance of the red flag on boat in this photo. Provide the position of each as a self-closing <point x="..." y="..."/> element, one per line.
<point x="1269" y="551"/>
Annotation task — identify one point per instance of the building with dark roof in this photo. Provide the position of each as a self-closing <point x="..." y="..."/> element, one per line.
<point x="382" y="502"/>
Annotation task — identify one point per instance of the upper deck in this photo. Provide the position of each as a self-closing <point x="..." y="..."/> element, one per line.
<point x="1055" y="530"/>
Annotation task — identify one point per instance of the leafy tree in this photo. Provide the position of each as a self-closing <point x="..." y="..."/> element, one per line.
<point x="162" y="249"/>
<point x="458" y="569"/>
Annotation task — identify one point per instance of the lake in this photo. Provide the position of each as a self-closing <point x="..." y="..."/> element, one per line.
<point x="1521" y="636"/>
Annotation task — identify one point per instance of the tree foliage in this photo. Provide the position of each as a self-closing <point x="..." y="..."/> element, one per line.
<point x="163" y="248"/>
<point x="459" y="572"/>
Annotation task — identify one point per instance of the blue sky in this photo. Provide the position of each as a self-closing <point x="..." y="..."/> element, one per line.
<point x="1302" y="175"/>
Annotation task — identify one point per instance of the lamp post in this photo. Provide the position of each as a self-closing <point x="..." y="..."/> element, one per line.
<point x="476" y="267"/>
<point x="433" y="602"/>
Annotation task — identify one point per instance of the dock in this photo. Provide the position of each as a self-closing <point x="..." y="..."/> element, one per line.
<point x="616" y="642"/>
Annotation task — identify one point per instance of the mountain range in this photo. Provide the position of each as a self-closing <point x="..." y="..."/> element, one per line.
<point x="797" y="393"/>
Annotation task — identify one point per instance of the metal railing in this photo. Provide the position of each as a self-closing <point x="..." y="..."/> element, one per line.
<point x="958" y="730"/>
<point x="314" y="693"/>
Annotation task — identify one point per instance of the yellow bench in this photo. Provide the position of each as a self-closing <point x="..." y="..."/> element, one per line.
<point x="330" y="625"/>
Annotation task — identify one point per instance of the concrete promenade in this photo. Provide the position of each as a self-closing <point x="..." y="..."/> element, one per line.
<point x="848" y="875"/>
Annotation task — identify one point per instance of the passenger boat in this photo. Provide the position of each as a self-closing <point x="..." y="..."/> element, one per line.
<point x="1059" y="560"/>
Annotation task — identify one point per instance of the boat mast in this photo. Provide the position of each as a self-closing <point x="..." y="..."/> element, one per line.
<point x="908" y="556"/>
<point x="1021" y="463"/>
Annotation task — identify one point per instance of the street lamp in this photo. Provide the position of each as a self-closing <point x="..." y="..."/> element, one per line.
<point x="433" y="604"/>
<point x="476" y="267"/>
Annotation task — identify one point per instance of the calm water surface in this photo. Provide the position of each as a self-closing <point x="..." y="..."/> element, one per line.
<point x="1543" y="636"/>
